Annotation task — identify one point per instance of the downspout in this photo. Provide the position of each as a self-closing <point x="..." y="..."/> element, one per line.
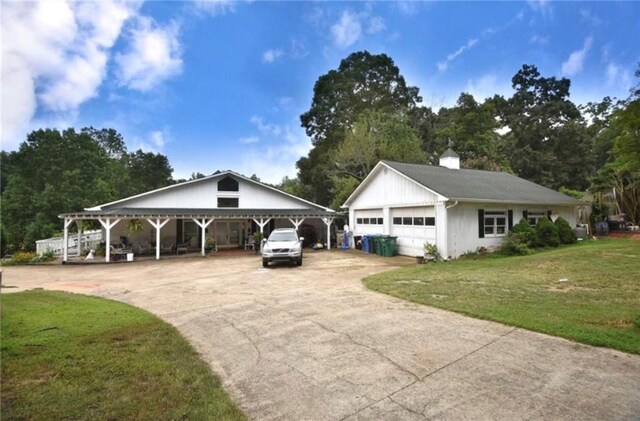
<point x="450" y="206"/>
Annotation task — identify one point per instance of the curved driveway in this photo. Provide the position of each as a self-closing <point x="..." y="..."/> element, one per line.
<point x="312" y="343"/>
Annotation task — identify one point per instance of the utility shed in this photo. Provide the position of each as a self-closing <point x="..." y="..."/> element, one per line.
<point x="459" y="210"/>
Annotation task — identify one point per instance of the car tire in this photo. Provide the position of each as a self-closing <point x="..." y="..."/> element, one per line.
<point x="299" y="262"/>
<point x="265" y="263"/>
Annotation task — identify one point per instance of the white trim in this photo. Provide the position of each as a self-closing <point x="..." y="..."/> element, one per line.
<point x="375" y="171"/>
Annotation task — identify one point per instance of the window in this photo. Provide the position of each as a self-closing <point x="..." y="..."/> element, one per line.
<point x="430" y="221"/>
<point x="418" y="221"/>
<point x="534" y="216"/>
<point x="397" y="221"/>
<point x="358" y="220"/>
<point x="228" y="184"/>
<point x="227" y="202"/>
<point x="365" y="221"/>
<point x="407" y="221"/>
<point x="495" y="223"/>
<point x="380" y="221"/>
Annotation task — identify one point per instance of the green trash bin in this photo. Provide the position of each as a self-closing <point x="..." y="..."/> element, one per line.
<point x="377" y="240"/>
<point x="390" y="246"/>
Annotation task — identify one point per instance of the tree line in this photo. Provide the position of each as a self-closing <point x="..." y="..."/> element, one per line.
<point x="360" y="113"/>
<point x="364" y="111"/>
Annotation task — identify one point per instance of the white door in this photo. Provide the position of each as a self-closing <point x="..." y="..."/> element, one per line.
<point x="228" y="233"/>
<point x="413" y="227"/>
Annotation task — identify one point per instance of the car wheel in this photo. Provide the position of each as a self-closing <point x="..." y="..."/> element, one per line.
<point x="299" y="262"/>
<point x="265" y="263"/>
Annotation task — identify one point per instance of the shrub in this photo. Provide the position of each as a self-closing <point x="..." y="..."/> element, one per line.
<point x="513" y="246"/>
<point x="565" y="232"/>
<point x="524" y="232"/>
<point x="547" y="234"/>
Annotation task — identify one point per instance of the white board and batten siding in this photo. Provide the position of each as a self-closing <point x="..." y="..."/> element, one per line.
<point x="463" y="225"/>
<point x="387" y="194"/>
<point x="204" y="194"/>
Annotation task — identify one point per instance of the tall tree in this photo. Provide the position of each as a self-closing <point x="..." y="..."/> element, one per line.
<point x="373" y="137"/>
<point x="362" y="82"/>
<point x="147" y="171"/>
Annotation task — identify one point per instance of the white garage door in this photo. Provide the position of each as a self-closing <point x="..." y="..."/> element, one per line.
<point x="368" y="221"/>
<point x="413" y="226"/>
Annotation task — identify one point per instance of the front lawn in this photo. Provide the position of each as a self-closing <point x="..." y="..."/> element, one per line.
<point x="588" y="292"/>
<point x="67" y="356"/>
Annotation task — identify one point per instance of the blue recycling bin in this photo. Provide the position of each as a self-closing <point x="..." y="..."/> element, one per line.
<point x="365" y="244"/>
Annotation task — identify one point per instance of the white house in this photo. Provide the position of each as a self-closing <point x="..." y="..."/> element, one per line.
<point x="457" y="209"/>
<point x="225" y="206"/>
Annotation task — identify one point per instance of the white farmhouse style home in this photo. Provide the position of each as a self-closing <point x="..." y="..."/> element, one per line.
<point x="226" y="207"/>
<point x="458" y="210"/>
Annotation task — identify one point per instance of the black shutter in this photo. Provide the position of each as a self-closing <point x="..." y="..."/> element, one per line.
<point x="510" y="220"/>
<point x="525" y="215"/>
<point x="179" y="230"/>
<point x="549" y="214"/>
<point x="481" y="223"/>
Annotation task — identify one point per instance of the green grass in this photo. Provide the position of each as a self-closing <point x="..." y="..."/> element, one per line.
<point x="67" y="356"/>
<point x="599" y="304"/>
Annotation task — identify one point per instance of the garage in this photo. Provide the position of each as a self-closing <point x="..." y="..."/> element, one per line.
<point x="413" y="227"/>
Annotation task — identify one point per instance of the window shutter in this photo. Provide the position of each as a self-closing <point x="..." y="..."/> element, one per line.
<point x="525" y="215"/>
<point x="549" y="214"/>
<point x="510" y="219"/>
<point x="481" y="223"/>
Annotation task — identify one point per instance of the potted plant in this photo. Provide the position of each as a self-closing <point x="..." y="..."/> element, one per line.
<point x="257" y="241"/>
<point x="431" y="253"/>
<point x="210" y="244"/>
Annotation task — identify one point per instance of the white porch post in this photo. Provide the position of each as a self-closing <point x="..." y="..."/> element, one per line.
<point x="107" y="225"/>
<point x="65" y="244"/>
<point x="261" y="223"/>
<point x="204" y="224"/>
<point x="79" y="225"/>
<point x="296" y="222"/>
<point x="158" y="226"/>
<point x="328" y="221"/>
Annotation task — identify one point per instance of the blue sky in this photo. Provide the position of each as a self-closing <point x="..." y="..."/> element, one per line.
<point x="221" y="85"/>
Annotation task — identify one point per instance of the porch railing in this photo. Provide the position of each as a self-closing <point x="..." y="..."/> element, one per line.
<point x="89" y="240"/>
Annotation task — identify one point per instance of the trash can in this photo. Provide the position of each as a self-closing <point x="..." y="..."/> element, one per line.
<point x="358" y="242"/>
<point x="389" y="246"/>
<point x="379" y="239"/>
<point x="129" y="257"/>
<point x="365" y="244"/>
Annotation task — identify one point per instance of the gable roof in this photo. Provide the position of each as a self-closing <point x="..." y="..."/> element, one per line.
<point x="476" y="185"/>
<point x="217" y="174"/>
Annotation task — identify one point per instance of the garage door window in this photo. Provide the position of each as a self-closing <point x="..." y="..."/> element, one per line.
<point x="369" y="221"/>
<point x="418" y="221"/>
<point x="430" y="221"/>
<point x="397" y="221"/>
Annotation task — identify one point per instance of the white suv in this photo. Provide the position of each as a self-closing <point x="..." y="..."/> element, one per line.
<point x="283" y="245"/>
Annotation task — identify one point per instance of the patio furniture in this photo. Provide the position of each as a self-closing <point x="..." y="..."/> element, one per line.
<point x="184" y="247"/>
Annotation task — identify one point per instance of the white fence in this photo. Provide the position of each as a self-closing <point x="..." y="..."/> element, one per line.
<point x="89" y="240"/>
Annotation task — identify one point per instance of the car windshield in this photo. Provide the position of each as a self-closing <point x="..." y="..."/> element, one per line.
<point x="283" y="236"/>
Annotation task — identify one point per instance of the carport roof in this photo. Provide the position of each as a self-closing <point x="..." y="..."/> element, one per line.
<point x="220" y="213"/>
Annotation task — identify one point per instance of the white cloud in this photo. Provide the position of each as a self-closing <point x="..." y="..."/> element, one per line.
<point x="444" y="65"/>
<point x="154" y="141"/>
<point x="215" y="7"/>
<point x="153" y="55"/>
<point x="347" y="30"/>
<point x="272" y="55"/>
<point x="408" y="8"/>
<point x="249" y="140"/>
<point x="587" y="16"/>
<point x="541" y="6"/>
<point x="375" y="25"/>
<point x="266" y="128"/>
<point x="54" y="56"/>
<point x="574" y="64"/>
<point x="487" y="86"/>
<point x="539" y="40"/>
<point x="617" y="76"/>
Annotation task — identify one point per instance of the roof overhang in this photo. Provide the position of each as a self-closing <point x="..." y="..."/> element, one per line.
<point x="220" y="213"/>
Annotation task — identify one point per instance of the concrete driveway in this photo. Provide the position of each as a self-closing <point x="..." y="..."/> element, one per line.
<point x="312" y="343"/>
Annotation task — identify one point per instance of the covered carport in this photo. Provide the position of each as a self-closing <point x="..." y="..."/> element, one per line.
<point x="158" y="218"/>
